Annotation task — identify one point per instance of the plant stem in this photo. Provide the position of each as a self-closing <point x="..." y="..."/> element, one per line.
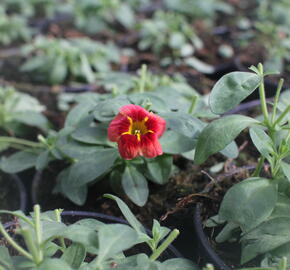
<point x="58" y="219"/>
<point x="14" y="244"/>
<point x="143" y="78"/>
<point x="171" y="237"/>
<point x="38" y="231"/>
<point x="263" y="96"/>
<point x="26" y="233"/>
<point x="20" y="141"/>
<point x="282" y="115"/>
<point x="259" y="167"/>
<point x="192" y="105"/>
<point x="276" y="100"/>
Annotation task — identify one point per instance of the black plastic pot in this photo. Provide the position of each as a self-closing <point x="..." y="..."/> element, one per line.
<point x="13" y="194"/>
<point x="204" y="247"/>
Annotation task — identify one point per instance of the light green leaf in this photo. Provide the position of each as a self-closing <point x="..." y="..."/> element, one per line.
<point x="49" y="264"/>
<point x="176" y="143"/>
<point x="220" y="133"/>
<point x="266" y="237"/>
<point x="178" y="264"/>
<point x="231" y="89"/>
<point x="74" y="255"/>
<point x="115" y="238"/>
<point x="18" y="162"/>
<point x="135" y="185"/>
<point x="262" y="141"/>
<point x="159" y="168"/>
<point x="286" y="169"/>
<point x="130" y="217"/>
<point x="249" y="202"/>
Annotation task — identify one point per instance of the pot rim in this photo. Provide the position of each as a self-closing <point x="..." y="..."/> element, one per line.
<point x="204" y="243"/>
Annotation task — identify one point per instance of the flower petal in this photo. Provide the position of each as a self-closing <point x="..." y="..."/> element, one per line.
<point x="150" y="146"/>
<point x="137" y="113"/>
<point x="157" y="124"/>
<point x="119" y="125"/>
<point x="129" y="146"/>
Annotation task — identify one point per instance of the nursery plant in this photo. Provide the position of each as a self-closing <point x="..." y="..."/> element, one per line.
<point x="126" y="139"/>
<point x="255" y="211"/>
<point x="172" y="39"/>
<point x="13" y="28"/>
<point x="57" y="60"/>
<point x="96" y="16"/>
<point x="268" y="25"/>
<point x="205" y="10"/>
<point x="30" y="8"/>
<point x="19" y="110"/>
<point x="86" y="244"/>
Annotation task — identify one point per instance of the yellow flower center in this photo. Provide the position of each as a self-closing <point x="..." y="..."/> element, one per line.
<point x="137" y="128"/>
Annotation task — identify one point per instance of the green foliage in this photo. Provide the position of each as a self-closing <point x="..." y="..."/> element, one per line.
<point x="256" y="210"/>
<point x="18" y="110"/>
<point x="31" y="8"/>
<point x="57" y="60"/>
<point x="13" y="28"/>
<point x="231" y="89"/>
<point x="96" y="16"/>
<point x="171" y="38"/>
<point x="86" y="244"/>
<point x="195" y="9"/>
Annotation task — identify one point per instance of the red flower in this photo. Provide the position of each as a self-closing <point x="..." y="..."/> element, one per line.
<point x="137" y="131"/>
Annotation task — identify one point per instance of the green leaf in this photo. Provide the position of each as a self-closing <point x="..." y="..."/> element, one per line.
<point x="159" y="168"/>
<point x="93" y="135"/>
<point x="249" y="202"/>
<point x="5" y="259"/>
<point x="176" y="143"/>
<point x="183" y="123"/>
<point x="231" y="150"/>
<point x="220" y="133"/>
<point x="286" y="169"/>
<point x="178" y="264"/>
<point x="282" y="207"/>
<point x="108" y="109"/>
<point x="115" y="238"/>
<point x="49" y="264"/>
<point x="76" y="150"/>
<point x="86" y="171"/>
<point x="268" y="236"/>
<point x="78" y="113"/>
<point x="127" y="214"/>
<point x="18" y="162"/>
<point x="51" y="229"/>
<point x="42" y="160"/>
<point x="77" y="194"/>
<point x="135" y="185"/>
<point x="74" y="255"/>
<point x="79" y="233"/>
<point x="59" y="70"/>
<point x="262" y="141"/>
<point x="231" y="89"/>
<point x="31" y="118"/>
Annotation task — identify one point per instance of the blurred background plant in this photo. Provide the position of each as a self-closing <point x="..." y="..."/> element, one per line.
<point x="56" y="60"/>
<point x="18" y="110"/>
<point x="96" y="16"/>
<point x="13" y="28"/>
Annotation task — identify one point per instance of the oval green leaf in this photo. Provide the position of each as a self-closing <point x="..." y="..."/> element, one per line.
<point x="231" y="89"/>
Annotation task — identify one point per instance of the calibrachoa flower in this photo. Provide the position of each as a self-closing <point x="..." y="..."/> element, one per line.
<point x="137" y="132"/>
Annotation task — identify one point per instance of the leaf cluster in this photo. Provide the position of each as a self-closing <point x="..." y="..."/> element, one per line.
<point x="56" y="60"/>
<point x="87" y="244"/>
